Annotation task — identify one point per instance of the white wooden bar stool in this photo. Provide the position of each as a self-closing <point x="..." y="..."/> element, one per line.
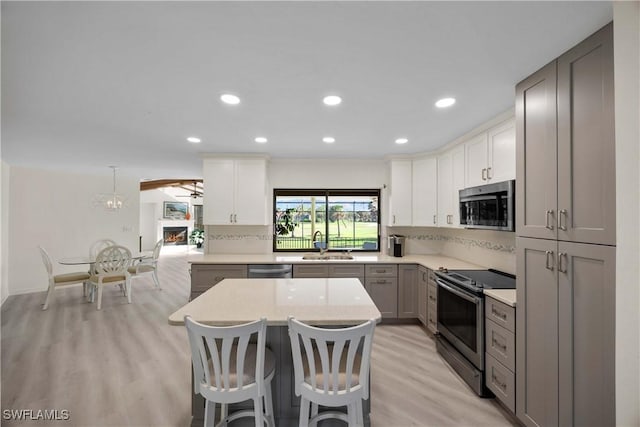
<point x="331" y="368"/>
<point x="229" y="368"/>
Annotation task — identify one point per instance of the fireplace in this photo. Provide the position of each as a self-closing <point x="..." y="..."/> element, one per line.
<point x="175" y="235"/>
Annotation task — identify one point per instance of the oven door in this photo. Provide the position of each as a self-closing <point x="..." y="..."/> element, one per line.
<point x="461" y="321"/>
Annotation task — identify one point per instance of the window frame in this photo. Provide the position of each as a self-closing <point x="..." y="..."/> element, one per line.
<point x="326" y="193"/>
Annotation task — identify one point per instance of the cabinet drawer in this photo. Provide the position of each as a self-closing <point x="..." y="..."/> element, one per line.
<point x="381" y="270"/>
<point x="432" y="293"/>
<point x="501" y="344"/>
<point x="432" y="318"/>
<point x="432" y="276"/>
<point x="205" y="276"/>
<point x="346" y="270"/>
<point x="311" y="270"/>
<point x="501" y="313"/>
<point x="501" y="381"/>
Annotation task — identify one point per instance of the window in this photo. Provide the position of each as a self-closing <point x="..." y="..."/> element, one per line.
<point x="339" y="220"/>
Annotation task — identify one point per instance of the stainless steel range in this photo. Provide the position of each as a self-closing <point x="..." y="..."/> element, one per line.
<point x="461" y="320"/>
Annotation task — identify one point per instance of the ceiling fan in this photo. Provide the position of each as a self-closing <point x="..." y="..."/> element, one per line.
<point x="195" y="193"/>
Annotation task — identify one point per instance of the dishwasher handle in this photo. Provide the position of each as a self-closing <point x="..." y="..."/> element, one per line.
<point x="269" y="270"/>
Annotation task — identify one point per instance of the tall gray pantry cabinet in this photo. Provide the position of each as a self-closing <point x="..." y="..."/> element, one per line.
<point x="565" y="249"/>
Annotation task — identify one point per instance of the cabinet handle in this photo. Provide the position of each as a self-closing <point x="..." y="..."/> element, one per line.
<point x="230" y="217"/>
<point x="434" y="219"/>
<point x="489" y="176"/>
<point x="548" y="222"/>
<point x="235" y="218"/>
<point x="549" y="261"/>
<point x="431" y="298"/>
<point x="561" y="256"/>
<point x="496" y="313"/>
<point x="497" y="382"/>
<point x="381" y="282"/>
<point x="484" y="174"/>
<point x="502" y="347"/>
<point x="394" y="219"/>
<point x="562" y="213"/>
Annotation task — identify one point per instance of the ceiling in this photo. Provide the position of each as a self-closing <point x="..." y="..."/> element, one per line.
<point x="91" y="84"/>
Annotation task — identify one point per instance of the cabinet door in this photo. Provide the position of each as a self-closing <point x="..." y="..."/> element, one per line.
<point x="400" y="197"/>
<point x="384" y="293"/>
<point x="501" y="152"/>
<point x="218" y="178"/>
<point x="476" y="160"/>
<point x="408" y="291"/>
<point x="457" y="170"/>
<point x="250" y="197"/>
<point x="423" y="281"/>
<point x="586" y="142"/>
<point x="536" y="154"/>
<point x="445" y="189"/>
<point x="204" y="276"/>
<point x="537" y="332"/>
<point x="425" y="192"/>
<point x="586" y="284"/>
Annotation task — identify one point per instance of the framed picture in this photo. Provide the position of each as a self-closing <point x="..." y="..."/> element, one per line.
<point x="175" y="210"/>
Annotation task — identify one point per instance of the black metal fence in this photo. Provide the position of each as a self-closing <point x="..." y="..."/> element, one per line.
<point x="283" y="242"/>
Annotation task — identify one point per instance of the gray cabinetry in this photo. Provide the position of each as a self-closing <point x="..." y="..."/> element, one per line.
<point x="301" y="271"/>
<point x="566" y="272"/>
<point x="423" y="284"/>
<point x="432" y="303"/>
<point x="407" y="291"/>
<point x="565" y="324"/>
<point x="381" y="282"/>
<point x="500" y="345"/>
<point x="565" y="152"/>
<point x="204" y="276"/>
<point x="347" y="270"/>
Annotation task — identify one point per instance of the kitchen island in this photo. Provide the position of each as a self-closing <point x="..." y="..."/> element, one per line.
<point x="321" y="302"/>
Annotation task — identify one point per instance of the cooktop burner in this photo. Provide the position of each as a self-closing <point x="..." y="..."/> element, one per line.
<point x="480" y="279"/>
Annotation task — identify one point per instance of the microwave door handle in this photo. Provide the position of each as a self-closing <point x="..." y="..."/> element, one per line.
<point x="477" y="198"/>
<point x="462" y="295"/>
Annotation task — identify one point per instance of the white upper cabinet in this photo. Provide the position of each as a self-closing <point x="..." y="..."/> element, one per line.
<point x="400" y="204"/>
<point x="491" y="156"/>
<point x="425" y="192"/>
<point x="451" y="172"/>
<point x="236" y="191"/>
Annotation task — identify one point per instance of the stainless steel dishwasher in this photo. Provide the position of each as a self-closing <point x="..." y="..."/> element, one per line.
<point x="270" y="271"/>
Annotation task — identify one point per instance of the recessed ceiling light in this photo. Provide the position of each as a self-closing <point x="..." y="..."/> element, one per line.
<point x="402" y="141"/>
<point x="261" y="140"/>
<point x="228" y="98"/>
<point x="445" y="102"/>
<point x="329" y="139"/>
<point x="332" y="100"/>
<point x="194" y="139"/>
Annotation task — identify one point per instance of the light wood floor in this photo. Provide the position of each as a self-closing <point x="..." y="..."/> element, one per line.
<point x="125" y="366"/>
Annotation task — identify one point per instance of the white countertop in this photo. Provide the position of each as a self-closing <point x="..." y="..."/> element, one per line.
<point x="507" y="296"/>
<point x="432" y="262"/>
<point x="312" y="301"/>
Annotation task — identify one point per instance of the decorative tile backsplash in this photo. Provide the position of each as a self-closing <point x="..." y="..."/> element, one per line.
<point x="468" y="242"/>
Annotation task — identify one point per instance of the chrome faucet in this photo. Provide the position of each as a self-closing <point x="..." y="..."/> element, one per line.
<point x="314" y="238"/>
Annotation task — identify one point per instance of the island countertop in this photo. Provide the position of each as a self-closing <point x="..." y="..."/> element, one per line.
<point x="432" y="262"/>
<point x="312" y="301"/>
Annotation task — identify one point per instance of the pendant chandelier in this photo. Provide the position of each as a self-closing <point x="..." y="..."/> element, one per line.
<point x="111" y="201"/>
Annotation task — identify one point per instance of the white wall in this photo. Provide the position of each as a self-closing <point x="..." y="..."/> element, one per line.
<point x="55" y="210"/>
<point x="4" y="232"/>
<point x="626" y="34"/>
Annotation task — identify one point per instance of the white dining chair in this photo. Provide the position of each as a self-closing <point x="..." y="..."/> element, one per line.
<point x="229" y="368"/>
<point x="59" y="280"/>
<point x="99" y="245"/>
<point x="331" y="368"/>
<point x="111" y="268"/>
<point x="148" y="265"/>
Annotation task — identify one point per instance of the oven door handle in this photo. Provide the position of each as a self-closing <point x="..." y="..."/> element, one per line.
<point x="461" y="294"/>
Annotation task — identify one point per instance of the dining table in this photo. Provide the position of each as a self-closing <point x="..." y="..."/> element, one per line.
<point x="82" y="260"/>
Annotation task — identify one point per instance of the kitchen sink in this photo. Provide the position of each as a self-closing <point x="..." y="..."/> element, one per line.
<point x="327" y="256"/>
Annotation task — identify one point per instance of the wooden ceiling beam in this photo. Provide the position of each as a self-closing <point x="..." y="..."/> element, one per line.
<point x="161" y="183"/>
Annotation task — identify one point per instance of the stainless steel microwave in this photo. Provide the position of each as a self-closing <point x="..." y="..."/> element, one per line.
<point x="489" y="207"/>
